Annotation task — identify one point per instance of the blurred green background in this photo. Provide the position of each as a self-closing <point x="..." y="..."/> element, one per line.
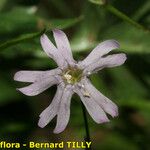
<point x="86" y="24"/>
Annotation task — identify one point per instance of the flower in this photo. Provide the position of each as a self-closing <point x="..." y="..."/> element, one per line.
<point x="72" y="77"/>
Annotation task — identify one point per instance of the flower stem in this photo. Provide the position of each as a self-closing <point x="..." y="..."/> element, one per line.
<point x="124" y="17"/>
<point x="87" y="137"/>
<point x="21" y="39"/>
<point x="118" y="13"/>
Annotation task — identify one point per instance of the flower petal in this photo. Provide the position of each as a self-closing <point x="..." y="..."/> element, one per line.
<point x="106" y="104"/>
<point x="52" y="51"/>
<point x="102" y="49"/>
<point x="39" y="86"/>
<point x="63" y="45"/>
<point x="32" y="76"/>
<point x="64" y="110"/>
<point x="51" y="111"/>
<point x="107" y="62"/>
<point x="92" y="107"/>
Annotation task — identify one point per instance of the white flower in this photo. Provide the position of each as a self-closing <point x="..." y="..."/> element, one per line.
<point x="72" y="77"/>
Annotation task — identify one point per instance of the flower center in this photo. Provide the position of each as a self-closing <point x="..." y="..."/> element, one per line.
<point x="72" y="75"/>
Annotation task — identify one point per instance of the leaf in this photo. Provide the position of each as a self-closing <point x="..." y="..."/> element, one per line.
<point x="21" y="39"/>
<point x="130" y="38"/>
<point x="86" y="33"/>
<point x="8" y="92"/>
<point x="63" y="23"/>
<point x="63" y="7"/>
<point x="124" y="84"/>
<point x="18" y="20"/>
<point x="13" y="127"/>
<point x="2" y="4"/>
<point x="122" y="87"/>
<point x="142" y="10"/>
<point x="116" y="141"/>
<point x="98" y="2"/>
<point x="138" y="103"/>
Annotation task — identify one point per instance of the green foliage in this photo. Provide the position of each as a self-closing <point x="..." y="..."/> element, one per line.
<point x="131" y="38"/>
<point x="86" y="24"/>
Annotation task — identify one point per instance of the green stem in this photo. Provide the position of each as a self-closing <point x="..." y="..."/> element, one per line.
<point x="124" y="17"/>
<point x="118" y="13"/>
<point x="21" y="39"/>
<point x="87" y="138"/>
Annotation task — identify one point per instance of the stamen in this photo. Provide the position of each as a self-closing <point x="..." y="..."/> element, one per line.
<point x="82" y="85"/>
<point x="72" y="75"/>
<point x="86" y="93"/>
<point x="89" y="73"/>
<point x="83" y="90"/>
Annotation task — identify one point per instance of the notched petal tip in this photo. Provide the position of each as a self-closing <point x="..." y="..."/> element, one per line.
<point x="26" y="91"/>
<point x="45" y="42"/>
<point x="112" y="43"/>
<point x="121" y="58"/>
<point x="43" y="37"/>
<point x="17" y="76"/>
<point x="42" y="123"/>
<point x="59" y="34"/>
<point x="114" y="113"/>
<point x="104" y="120"/>
<point x="58" y="31"/>
<point x="57" y="131"/>
<point x="24" y="76"/>
<point x="60" y="127"/>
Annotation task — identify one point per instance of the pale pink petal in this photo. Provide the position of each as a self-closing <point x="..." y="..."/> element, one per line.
<point x="106" y="104"/>
<point x="63" y="45"/>
<point x="64" y="110"/>
<point x="95" y="111"/>
<point x="106" y="62"/>
<point x="32" y="76"/>
<point x="39" y="86"/>
<point x="52" y="51"/>
<point x="51" y="111"/>
<point x="102" y="49"/>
